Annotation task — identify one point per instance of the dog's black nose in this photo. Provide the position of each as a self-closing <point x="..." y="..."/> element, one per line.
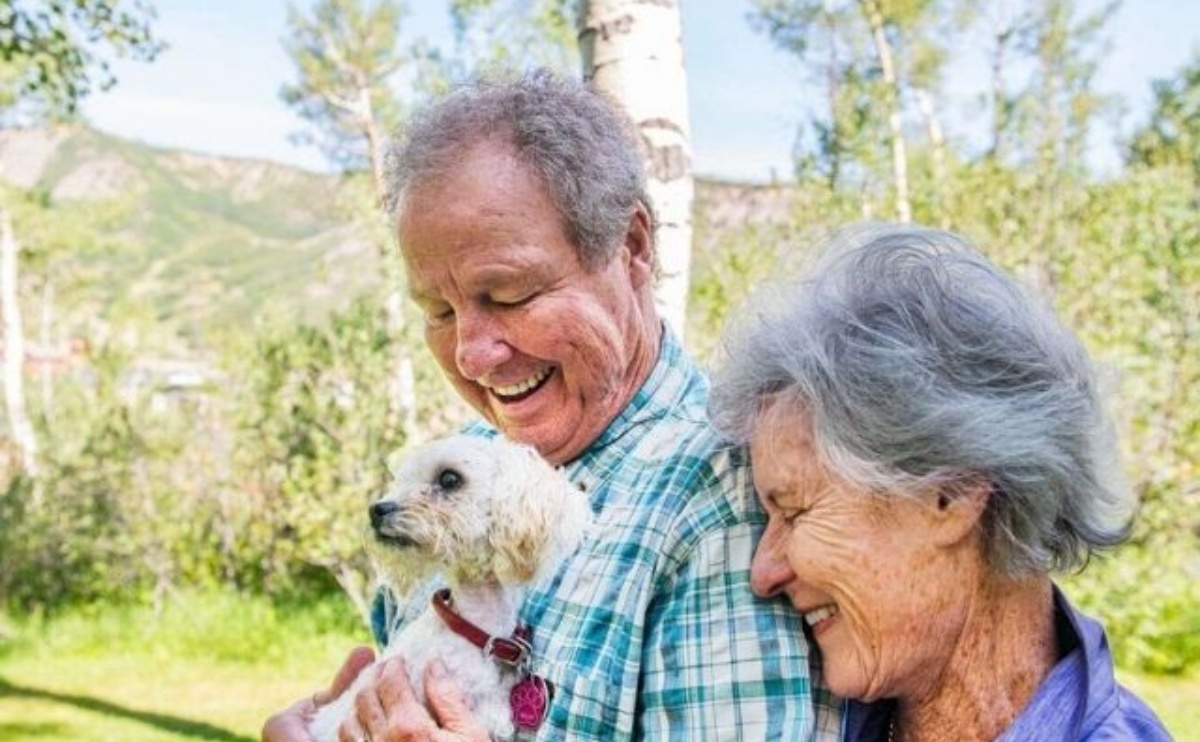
<point x="380" y="511"/>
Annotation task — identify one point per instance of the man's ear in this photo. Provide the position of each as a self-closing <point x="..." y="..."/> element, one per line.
<point x="639" y="241"/>
<point x="957" y="509"/>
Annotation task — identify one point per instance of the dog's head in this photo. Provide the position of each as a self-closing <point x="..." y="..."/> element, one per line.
<point x="475" y="509"/>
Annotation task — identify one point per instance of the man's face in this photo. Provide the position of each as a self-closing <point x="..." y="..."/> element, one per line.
<point x="547" y="351"/>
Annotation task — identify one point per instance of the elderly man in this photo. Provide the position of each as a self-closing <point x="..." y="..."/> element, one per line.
<point x="528" y="241"/>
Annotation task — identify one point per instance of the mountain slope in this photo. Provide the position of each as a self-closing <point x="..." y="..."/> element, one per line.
<point x="202" y="241"/>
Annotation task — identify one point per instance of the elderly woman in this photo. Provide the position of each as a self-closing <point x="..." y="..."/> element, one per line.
<point x="929" y="446"/>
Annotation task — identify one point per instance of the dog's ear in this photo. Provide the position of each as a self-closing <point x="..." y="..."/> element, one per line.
<point x="525" y="509"/>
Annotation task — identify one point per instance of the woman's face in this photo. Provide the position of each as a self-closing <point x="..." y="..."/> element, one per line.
<point x="545" y="349"/>
<point x="868" y="572"/>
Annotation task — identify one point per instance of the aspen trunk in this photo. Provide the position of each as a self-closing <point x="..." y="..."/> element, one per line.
<point x="634" y="52"/>
<point x="14" y="347"/>
<point x="937" y="148"/>
<point x="883" y="50"/>
<point x="401" y="393"/>
<point x="1003" y="35"/>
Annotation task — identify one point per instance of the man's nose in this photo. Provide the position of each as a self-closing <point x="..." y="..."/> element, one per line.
<point x="770" y="571"/>
<point x="481" y="346"/>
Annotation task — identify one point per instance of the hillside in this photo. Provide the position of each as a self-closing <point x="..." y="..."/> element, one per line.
<point x="202" y="241"/>
<point x="206" y="243"/>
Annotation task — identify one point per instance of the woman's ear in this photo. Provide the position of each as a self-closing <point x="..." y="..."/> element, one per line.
<point x="958" y="508"/>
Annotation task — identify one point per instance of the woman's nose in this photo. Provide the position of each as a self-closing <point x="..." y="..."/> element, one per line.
<point x="770" y="571"/>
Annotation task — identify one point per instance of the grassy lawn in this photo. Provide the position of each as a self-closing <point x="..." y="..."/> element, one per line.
<point x="216" y="673"/>
<point x="191" y="674"/>
<point x="111" y="699"/>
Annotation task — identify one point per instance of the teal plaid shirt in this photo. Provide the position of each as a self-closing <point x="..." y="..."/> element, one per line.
<point x="650" y="631"/>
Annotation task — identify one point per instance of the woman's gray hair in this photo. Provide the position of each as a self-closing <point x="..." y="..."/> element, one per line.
<point x="920" y="363"/>
<point x="578" y="143"/>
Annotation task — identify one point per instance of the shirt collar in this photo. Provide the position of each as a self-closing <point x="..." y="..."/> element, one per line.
<point x="674" y="386"/>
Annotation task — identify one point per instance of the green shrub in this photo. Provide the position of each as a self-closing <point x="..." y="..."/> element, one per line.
<point x="1149" y="601"/>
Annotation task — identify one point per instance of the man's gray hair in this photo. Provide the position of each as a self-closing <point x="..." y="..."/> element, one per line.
<point x="580" y="145"/>
<point x="918" y="362"/>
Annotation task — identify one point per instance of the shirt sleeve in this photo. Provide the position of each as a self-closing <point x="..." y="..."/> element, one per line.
<point x="390" y="614"/>
<point x="383" y="608"/>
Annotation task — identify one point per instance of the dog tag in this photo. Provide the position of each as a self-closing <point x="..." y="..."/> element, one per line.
<point x="530" y="701"/>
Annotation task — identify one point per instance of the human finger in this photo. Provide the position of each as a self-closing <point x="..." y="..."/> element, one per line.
<point x="449" y="704"/>
<point x="350" y="731"/>
<point x="358" y="659"/>
<point x="291" y="724"/>
<point x="407" y="718"/>
<point x="370" y="714"/>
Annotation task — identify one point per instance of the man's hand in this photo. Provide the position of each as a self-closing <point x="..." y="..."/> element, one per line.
<point x="388" y="711"/>
<point x="291" y="724"/>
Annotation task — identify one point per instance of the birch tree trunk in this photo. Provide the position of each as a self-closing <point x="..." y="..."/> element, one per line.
<point x="14" y="347"/>
<point x="887" y="65"/>
<point x="633" y="50"/>
<point x="937" y="149"/>
<point x="1002" y="35"/>
<point x="344" y="52"/>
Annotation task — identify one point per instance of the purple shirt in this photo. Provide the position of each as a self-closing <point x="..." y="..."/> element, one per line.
<point x="1079" y="700"/>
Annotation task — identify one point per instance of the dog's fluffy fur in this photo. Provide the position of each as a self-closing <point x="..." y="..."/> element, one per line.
<point x="492" y="517"/>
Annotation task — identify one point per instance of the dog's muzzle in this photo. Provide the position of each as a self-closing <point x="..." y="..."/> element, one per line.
<point x="383" y="523"/>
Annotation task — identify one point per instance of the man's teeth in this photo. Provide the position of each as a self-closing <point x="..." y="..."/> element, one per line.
<point x="817" y="615"/>
<point x="511" y="390"/>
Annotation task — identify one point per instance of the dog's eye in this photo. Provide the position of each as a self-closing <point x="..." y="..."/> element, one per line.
<point x="449" y="480"/>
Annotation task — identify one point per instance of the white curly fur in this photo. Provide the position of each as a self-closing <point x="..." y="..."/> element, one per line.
<point x="501" y="520"/>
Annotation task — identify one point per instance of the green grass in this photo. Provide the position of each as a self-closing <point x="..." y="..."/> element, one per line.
<point x="208" y="668"/>
<point x="213" y="667"/>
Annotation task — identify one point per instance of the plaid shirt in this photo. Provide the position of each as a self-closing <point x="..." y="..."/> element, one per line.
<point x="650" y="631"/>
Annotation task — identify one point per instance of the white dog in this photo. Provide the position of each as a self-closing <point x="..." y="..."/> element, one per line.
<point x="492" y="517"/>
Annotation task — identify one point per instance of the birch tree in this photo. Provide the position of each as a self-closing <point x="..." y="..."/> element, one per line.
<point x="873" y="12"/>
<point x="14" y="347"/>
<point x="1054" y="113"/>
<point x="515" y="33"/>
<point x="348" y="55"/>
<point x="59" y="50"/>
<point x="634" y="51"/>
<point x="345" y="54"/>
<point x="53" y="53"/>
<point x="854" y="64"/>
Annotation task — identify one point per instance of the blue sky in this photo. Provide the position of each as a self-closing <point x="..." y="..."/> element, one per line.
<point x="216" y="88"/>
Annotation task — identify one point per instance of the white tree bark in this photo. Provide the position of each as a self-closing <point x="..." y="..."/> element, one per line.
<point x="937" y="148"/>
<point x="633" y="50"/>
<point x="883" y="50"/>
<point x="14" y="347"/>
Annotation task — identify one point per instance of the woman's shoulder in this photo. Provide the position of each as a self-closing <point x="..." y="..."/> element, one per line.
<point x="1129" y="720"/>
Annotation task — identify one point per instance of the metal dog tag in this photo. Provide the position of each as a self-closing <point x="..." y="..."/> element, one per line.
<point x="530" y="702"/>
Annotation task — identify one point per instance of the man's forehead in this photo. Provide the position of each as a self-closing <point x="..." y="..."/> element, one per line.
<point x="431" y="281"/>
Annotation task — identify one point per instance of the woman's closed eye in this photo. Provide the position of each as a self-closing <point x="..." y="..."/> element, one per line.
<point x="789" y="513"/>
<point x="792" y="515"/>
